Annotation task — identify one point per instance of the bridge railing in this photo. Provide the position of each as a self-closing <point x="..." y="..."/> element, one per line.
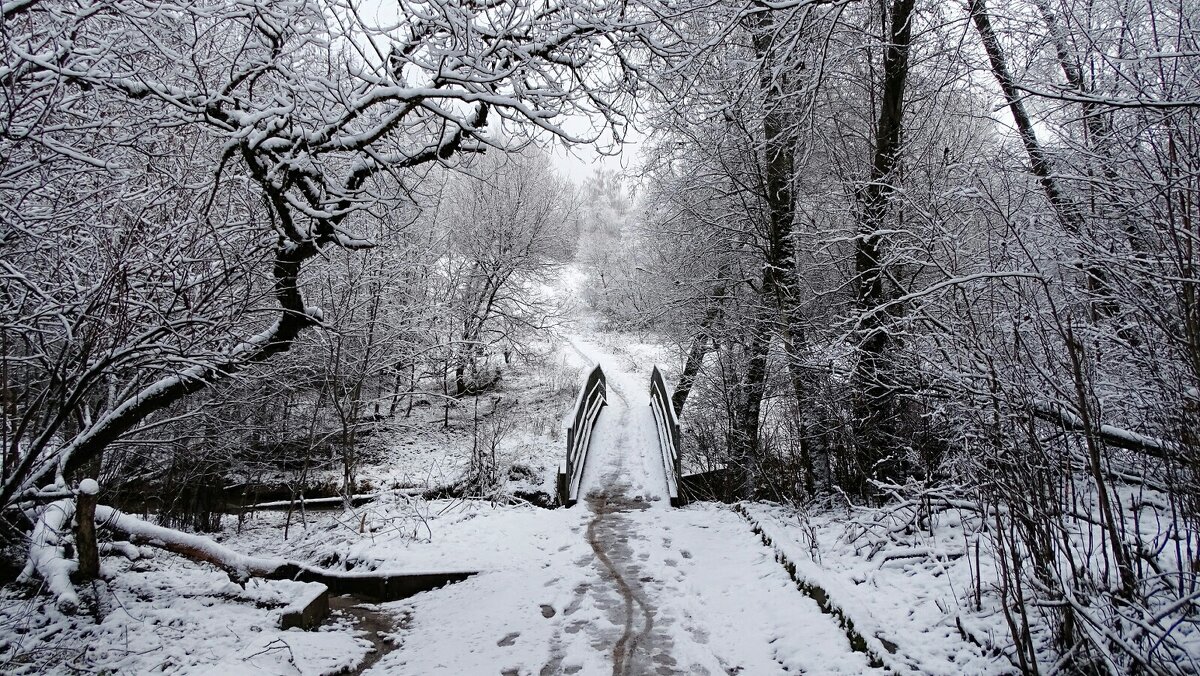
<point x="668" y="434"/>
<point x="593" y="395"/>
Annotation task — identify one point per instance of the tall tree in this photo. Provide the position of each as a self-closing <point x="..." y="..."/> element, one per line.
<point x="876" y="389"/>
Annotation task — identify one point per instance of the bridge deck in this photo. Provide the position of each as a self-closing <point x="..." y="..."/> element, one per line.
<point x="624" y="447"/>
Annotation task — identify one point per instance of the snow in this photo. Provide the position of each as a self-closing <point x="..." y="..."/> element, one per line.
<point x="621" y="583"/>
<point x="292" y="652"/>
<point x="907" y="602"/>
<point x="168" y="615"/>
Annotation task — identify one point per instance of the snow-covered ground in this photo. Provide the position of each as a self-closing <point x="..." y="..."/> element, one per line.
<point x="908" y="598"/>
<point x="430" y="447"/>
<point x="168" y="615"/>
<point x="693" y="592"/>
<point x="619" y="584"/>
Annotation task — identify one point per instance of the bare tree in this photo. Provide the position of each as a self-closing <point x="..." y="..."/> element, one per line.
<point x="507" y="228"/>
<point x="170" y="169"/>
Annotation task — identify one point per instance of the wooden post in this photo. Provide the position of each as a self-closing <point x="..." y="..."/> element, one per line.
<point x="85" y="531"/>
<point x="562" y="489"/>
<point x="570" y="451"/>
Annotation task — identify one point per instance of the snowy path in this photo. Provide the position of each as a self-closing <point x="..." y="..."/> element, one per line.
<point x="621" y="584"/>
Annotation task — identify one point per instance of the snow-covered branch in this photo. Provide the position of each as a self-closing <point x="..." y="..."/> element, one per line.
<point x="47" y="558"/>
<point x="1113" y="436"/>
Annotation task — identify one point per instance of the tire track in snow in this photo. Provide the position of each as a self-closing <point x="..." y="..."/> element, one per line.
<point x="606" y="507"/>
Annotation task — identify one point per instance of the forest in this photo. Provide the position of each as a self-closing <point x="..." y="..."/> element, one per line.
<point x="924" y="278"/>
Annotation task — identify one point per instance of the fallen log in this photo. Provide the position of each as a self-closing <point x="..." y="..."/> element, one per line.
<point x="196" y="547"/>
<point x="51" y="543"/>
<point x="1113" y="436"/>
<point x="47" y="554"/>
<point x="381" y="586"/>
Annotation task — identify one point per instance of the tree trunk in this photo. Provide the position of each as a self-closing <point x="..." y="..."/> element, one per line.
<point x="800" y="390"/>
<point x="746" y="439"/>
<point x="779" y="273"/>
<point x="1098" y="127"/>
<point x="460" y="379"/>
<point x="700" y="346"/>
<point x="778" y="167"/>
<point x="875" y="393"/>
<point x="691" y="369"/>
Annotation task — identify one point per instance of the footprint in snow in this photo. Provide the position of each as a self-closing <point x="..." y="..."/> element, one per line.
<point x="575" y="627"/>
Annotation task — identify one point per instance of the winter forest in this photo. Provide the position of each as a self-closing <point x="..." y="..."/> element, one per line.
<point x="863" y="336"/>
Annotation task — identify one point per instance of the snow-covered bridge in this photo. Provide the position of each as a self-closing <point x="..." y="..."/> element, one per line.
<point x="620" y="431"/>
<point x="622" y="583"/>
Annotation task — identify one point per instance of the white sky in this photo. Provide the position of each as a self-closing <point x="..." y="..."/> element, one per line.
<point x="578" y="162"/>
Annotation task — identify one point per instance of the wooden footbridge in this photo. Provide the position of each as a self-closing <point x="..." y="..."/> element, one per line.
<point x="582" y="425"/>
